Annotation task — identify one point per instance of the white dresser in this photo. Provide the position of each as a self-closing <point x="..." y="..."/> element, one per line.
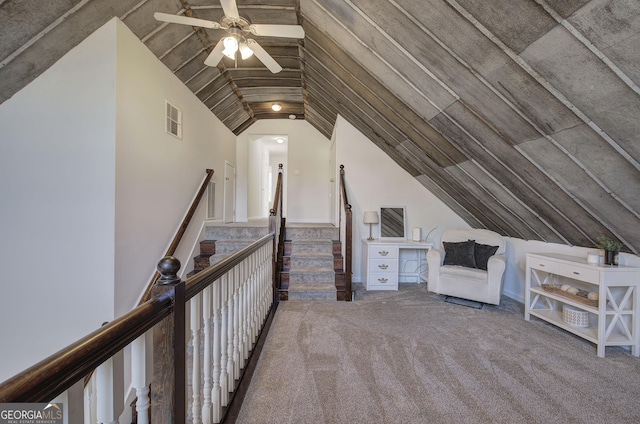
<point x="385" y="263"/>
<point x="611" y="321"/>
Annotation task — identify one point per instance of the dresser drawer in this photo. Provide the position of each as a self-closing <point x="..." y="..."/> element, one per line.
<point x="579" y="273"/>
<point x="382" y="251"/>
<point x="383" y="265"/>
<point x="543" y="264"/>
<point x="382" y="281"/>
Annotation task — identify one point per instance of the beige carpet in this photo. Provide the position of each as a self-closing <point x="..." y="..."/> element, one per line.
<point x="409" y="357"/>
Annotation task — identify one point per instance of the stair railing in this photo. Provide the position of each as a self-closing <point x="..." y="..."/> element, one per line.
<point x="277" y="225"/>
<point x="228" y="304"/>
<point x="346" y="236"/>
<point x="177" y="238"/>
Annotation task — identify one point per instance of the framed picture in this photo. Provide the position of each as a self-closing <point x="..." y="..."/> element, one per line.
<point x="392" y="223"/>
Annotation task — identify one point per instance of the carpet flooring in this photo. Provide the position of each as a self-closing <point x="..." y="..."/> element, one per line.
<point x="410" y="357"/>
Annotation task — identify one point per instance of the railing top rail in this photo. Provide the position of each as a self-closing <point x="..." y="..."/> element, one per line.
<point x="53" y="375"/>
<point x="343" y="190"/>
<point x="201" y="280"/>
<point x="181" y="230"/>
<point x="277" y="200"/>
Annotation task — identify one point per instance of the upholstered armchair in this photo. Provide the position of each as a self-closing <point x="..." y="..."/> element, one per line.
<point x="470" y="264"/>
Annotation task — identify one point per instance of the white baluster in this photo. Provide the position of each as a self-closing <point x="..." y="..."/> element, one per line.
<point x="224" y="383"/>
<point x="139" y="378"/>
<point x="88" y="391"/>
<point x="229" y="365"/>
<point x="242" y="307"/>
<point x="215" y="391"/>
<point x="236" y="321"/>
<point x="196" y="407"/>
<point x="104" y="387"/>
<point x="206" y="317"/>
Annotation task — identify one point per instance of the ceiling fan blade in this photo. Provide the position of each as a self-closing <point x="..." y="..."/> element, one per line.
<point x="288" y="31"/>
<point x="185" y="20"/>
<point x="263" y="56"/>
<point x="230" y="9"/>
<point x="216" y="54"/>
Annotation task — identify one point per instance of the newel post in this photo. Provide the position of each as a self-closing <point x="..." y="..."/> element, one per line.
<point x="168" y="385"/>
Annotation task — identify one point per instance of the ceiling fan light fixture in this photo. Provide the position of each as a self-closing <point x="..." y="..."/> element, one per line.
<point x="245" y="51"/>
<point x="276" y="107"/>
<point x="230" y="46"/>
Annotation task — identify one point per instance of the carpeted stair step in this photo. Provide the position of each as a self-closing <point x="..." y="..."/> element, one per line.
<point x="231" y="245"/>
<point x="311" y="260"/>
<point x="325" y="292"/>
<point x="302" y="276"/>
<point x="296" y="247"/>
<point x="231" y="232"/>
<point x="297" y="233"/>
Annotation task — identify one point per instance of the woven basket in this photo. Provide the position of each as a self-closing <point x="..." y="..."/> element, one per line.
<point x="574" y="316"/>
<point x="555" y="290"/>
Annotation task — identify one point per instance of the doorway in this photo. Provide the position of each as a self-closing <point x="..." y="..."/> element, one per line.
<point x="266" y="152"/>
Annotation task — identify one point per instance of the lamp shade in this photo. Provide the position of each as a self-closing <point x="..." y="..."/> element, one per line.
<point x="371" y="217"/>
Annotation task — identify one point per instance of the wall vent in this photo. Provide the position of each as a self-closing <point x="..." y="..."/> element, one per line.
<point x="211" y="200"/>
<point x="174" y="120"/>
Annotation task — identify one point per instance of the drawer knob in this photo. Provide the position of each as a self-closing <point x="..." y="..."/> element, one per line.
<point x="383" y="253"/>
<point x="541" y="265"/>
<point x="383" y="280"/>
<point x="383" y="266"/>
<point x="576" y="272"/>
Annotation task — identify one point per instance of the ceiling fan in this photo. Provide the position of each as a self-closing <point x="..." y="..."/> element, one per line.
<point x="238" y="28"/>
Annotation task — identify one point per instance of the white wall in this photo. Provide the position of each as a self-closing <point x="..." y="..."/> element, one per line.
<point x="94" y="190"/>
<point x="157" y="174"/>
<point x="57" y="214"/>
<point x="374" y="179"/>
<point x="307" y="192"/>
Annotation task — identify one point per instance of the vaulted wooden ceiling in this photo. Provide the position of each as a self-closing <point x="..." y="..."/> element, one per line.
<point x="522" y="115"/>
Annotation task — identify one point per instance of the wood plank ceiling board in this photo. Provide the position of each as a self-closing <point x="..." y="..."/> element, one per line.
<point x="517" y="23"/>
<point x="592" y="196"/>
<point x="19" y="66"/>
<point x="419" y="101"/>
<point x="140" y="19"/>
<point x="361" y="82"/>
<point x="590" y="85"/>
<point x="614" y="29"/>
<point x="519" y="175"/>
<point x="335" y="88"/>
<point x="602" y="161"/>
<point x="466" y="199"/>
<point x="511" y="208"/>
<point x="449" y="71"/>
<point x="566" y="7"/>
<point x="493" y="66"/>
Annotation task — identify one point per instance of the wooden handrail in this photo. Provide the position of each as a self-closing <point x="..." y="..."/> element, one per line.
<point x="277" y="198"/>
<point x="180" y="232"/>
<point x="55" y="374"/>
<point x="208" y="276"/>
<point x="277" y="225"/>
<point x="348" y="235"/>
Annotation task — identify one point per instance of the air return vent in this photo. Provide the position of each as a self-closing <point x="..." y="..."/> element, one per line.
<point x="174" y="120"/>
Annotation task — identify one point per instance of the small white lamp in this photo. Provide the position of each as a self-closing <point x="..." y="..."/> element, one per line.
<point x="370" y="217"/>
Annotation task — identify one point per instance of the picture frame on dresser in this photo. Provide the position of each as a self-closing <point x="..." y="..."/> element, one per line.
<point x="393" y="223"/>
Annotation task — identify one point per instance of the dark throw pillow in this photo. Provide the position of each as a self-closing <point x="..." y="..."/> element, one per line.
<point x="482" y="253"/>
<point x="461" y="254"/>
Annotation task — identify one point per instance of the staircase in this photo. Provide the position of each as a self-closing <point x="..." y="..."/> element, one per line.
<point x="308" y="263"/>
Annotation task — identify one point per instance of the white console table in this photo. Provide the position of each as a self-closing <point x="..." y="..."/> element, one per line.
<point x="383" y="264"/>
<point x="613" y="322"/>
